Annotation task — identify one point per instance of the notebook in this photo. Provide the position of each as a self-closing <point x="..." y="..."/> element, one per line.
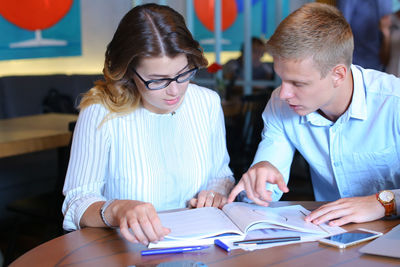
<point x="234" y="221"/>
<point x="386" y="245"/>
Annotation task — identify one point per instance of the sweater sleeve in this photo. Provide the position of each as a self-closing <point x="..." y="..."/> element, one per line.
<point x="221" y="179"/>
<point x="87" y="167"/>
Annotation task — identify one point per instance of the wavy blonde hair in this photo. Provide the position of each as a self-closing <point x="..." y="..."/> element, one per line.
<point x="146" y="31"/>
<point x="316" y="30"/>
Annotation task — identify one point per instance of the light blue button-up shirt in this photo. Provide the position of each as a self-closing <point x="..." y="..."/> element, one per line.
<point x="357" y="155"/>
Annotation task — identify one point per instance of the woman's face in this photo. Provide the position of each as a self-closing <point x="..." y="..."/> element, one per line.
<point x="164" y="100"/>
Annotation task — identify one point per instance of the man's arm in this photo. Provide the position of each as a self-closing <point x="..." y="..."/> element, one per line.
<point x="266" y="179"/>
<point x="353" y="209"/>
<point x="397" y="201"/>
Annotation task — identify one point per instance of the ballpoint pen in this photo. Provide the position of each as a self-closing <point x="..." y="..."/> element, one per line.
<point x="171" y="250"/>
<point x="222" y="245"/>
<point x="266" y="240"/>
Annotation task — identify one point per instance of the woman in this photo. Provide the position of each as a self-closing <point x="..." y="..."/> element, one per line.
<point x="146" y="140"/>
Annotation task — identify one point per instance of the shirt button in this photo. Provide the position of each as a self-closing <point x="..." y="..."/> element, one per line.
<point x="336" y="164"/>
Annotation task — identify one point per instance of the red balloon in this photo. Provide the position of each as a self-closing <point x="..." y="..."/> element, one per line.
<point x="34" y="14"/>
<point x="205" y="12"/>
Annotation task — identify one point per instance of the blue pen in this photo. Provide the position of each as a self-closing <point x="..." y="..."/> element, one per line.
<point x="172" y="250"/>
<point x="222" y="245"/>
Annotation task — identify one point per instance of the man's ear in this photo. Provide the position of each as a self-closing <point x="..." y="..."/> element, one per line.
<point x="339" y="73"/>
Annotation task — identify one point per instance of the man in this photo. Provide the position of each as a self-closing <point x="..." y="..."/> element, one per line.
<point x="233" y="69"/>
<point x="343" y="119"/>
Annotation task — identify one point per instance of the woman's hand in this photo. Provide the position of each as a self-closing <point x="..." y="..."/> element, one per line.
<point x="208" y="198"/>
<point x="140" y="217"/>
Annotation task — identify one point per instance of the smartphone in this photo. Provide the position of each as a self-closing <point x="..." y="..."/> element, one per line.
<point x="350" y="238"/>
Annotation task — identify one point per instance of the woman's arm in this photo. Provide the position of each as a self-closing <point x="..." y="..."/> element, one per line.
<point x="85" y="181"/>
<point x="220" y="181"/>
<point x="140" y="217"/>
<point x="87" y="166"/>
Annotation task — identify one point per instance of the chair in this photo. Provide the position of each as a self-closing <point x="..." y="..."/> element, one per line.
<point x="243" y="137"/>
<point x="244" y="131"/>
<point x="300" y="185"/>
<point x="43" y="209"/>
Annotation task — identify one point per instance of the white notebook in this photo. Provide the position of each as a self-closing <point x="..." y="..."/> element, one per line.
<point x="234" y="221"/>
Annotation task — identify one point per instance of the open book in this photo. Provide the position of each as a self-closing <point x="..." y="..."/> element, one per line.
<point x="234" y="222"/>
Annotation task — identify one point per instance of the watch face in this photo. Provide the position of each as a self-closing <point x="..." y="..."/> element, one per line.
<point x="386" y="196"/>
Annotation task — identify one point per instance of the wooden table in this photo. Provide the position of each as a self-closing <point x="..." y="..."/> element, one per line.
<point x="34" y="133"/>
<point x="105" y="247"/>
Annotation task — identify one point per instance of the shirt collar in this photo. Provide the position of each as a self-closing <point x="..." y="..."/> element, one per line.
<point x="356" y="110"/>
<point x="316" y="119"/>
<point x="358" y="106"/>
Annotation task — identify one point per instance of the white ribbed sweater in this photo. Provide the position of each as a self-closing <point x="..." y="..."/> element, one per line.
<point x="163" y="159"/>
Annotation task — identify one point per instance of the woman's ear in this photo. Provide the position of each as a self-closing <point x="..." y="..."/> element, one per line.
<point x="339" y="73"/>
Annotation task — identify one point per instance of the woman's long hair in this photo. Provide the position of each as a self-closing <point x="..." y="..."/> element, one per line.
<point x="149" y="30"/>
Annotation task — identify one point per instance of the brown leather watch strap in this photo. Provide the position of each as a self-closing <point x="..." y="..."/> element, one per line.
<point x="389" y="206"/>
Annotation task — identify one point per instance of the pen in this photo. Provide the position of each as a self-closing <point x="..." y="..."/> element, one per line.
<point x="222" y="245"/>
<point x="171" y="250"/>
<point x="266" y="240"/>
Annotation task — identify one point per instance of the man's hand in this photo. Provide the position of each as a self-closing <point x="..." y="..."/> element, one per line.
<point x="208" y="199"/>
<point x="255" y="180"/>
<point x="347" y="210"/>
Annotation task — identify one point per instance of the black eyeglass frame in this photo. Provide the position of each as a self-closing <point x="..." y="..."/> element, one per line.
<point x="168" y="80"/>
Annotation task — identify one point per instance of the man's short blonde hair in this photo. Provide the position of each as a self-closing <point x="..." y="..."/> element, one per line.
<point x="315" y="30"/>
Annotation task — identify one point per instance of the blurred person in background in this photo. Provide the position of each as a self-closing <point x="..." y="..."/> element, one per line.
<point x="233" y="70"/>
<point x="391" y="53"/>
<point x="365" y="18"/>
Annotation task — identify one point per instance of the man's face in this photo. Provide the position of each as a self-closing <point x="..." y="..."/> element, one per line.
<point x="302" y="87"/>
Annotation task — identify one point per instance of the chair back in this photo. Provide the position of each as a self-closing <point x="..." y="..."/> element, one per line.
<point x="251" y="116"/>
<point x="245" y="135"/>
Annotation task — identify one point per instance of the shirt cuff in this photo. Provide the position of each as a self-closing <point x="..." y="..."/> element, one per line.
<point x="397" y="201"/>
<point x="76" y="211"/>
<point x="276" y="194"/>
<point x="222" y="186"/>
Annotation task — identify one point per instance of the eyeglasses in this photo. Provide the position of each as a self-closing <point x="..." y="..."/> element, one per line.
<point x="162" y="83"/>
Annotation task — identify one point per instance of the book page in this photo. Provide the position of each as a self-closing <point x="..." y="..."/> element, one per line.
<point x="198" y="223"/>
<point x="171" y="242"/>
<point x="278" y="233"/>
<point x="272" y="233"/>
<point x="250" y="217"/>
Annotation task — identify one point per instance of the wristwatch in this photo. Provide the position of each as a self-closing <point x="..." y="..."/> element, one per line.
<point x="386" y="198"/>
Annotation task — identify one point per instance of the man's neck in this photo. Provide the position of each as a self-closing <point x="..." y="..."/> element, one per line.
<point x="343" y="100"/>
